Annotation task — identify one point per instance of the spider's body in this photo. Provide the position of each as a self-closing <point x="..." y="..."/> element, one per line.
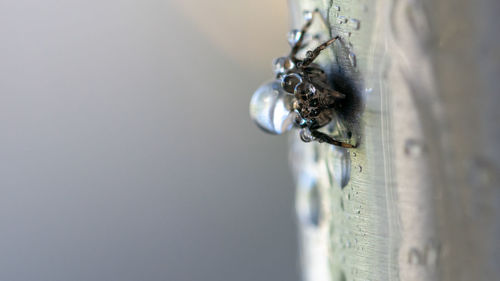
<point x="300" y="96"/>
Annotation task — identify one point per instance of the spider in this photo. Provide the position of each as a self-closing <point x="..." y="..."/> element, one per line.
<point x="299" y="96"/>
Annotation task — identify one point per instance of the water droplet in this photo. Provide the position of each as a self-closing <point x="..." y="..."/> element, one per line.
<point x="482" y="172"/>
<point x="339" y="164"/>
<point x="348" y="196"/>
<point x="354" y="154"/>
<point x="282" y="65"/>
<point x="270" y="108"/>
<point x="305" y="135"/>
<point x="432" y="253"/>
<point x="355" y="23"/>
<point x="308" y="15"/>
<point x="414" y="257"/>
<point x="341" y="19"/>
<point x="308" y="201"/>
<point x="368" y="90"/>
<point x="360" y="168"/>
<point x="336" y="8"/>
<point x="352" y="59"/>
<point x="293" y="36"/>
<point x="414" y="148"/>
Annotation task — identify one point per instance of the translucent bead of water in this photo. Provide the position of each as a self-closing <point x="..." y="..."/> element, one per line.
<point x="271" y="108"/>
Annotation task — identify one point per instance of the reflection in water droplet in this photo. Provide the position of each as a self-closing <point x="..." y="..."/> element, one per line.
<point x="355" y="23"/>
<point x="413" y="147"/>
<point x="352" y="59"/>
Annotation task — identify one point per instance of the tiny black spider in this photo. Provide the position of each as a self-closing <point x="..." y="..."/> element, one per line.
<point x="299" y="96"/>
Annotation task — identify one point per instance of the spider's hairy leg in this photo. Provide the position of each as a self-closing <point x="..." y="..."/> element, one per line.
<point x="312" y="55"/>
<point x="298" y="45"/>
<point x="321" y="137"/>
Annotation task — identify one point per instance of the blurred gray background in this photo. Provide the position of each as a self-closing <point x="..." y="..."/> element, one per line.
<point x="126" y="150"/>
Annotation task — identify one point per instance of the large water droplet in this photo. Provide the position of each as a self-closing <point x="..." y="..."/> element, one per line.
<point x="270" y="108"/>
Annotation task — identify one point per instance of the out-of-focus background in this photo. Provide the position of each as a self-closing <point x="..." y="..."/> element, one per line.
<point x="126" y="150"/>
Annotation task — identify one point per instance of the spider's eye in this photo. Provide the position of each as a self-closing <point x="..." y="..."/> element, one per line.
<point x="283" y="65"/>
<point x="270" y="108"/>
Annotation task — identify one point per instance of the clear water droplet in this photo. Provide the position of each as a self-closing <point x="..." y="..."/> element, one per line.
<point x="355" y="23"/>
<point x="293" y="36"/>
<point x="368" y="90"/>
<point x="309" y="201"/>
<point x="360" y="168"/>
<point x="336" y="8"/>
<point x="305" y="135"/>
<point x="414" y="148"/>
<point x="341" y="19"/>
<point x="270" y="108"/>
<point x="282" y="65"/>
<point x="352" y="59"/>
<point x="308" y="15"/>
<point x="482" y="172"/>
<point x="339" y="166"/>
<point x="415" y="257"/>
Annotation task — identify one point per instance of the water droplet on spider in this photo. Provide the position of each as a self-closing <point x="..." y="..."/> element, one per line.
<point x="355" y="23"/>
<point x="305" y="135"/>
<point x="352" y="59"/>
<point x="270" y="108"/>
<point x="336" y="8"/>
<point x="293" y="36"/>
<point x="341" y="19"/>
<point x="414" y="148"/>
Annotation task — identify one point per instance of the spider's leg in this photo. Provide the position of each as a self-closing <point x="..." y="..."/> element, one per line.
<point x="321" y="137"/>
<point x="300" y="41"/>
<point x="312" y="55"/>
